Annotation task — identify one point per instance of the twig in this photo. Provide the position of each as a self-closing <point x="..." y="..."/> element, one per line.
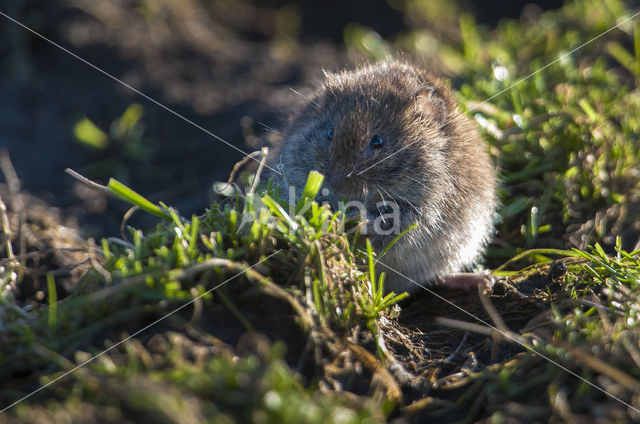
<point x="94" y="262"/>
<point x="42" y="253"/>
<point x="15" y="198"/>
<point x="491" y="310"/>
<point x="275" y="290"/>
<point x="380" y="373"/>
<point x="197" y="307"/>
<point x="181" y="274"/>
<point x="86" y="181"/>
<point x="125" y="219"/>
<point x="120" y="242"/>
<point x="455" y="352"/>
<point x="256" y="178"/>
<point x="468" y="326"/>
<point x="6" y="231"/>
<point x="13" y="182"/>
<point x="600" y="366"/>
<point x="251" y="156"/>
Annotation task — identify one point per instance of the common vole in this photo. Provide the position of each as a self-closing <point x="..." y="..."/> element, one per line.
<point x="391" y="132"/>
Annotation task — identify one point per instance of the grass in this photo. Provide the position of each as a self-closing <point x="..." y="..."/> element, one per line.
<point x="123" y="146"/>
<point x="338" y="347"/>
<point x="153" y="273"/>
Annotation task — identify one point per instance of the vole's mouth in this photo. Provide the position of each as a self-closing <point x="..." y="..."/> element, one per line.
<point x="382" y="210"/>
<point x="335" y="198"/>
<point x="383" y="218"/>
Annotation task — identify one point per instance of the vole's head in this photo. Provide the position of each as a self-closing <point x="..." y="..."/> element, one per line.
<point x="379" y="132"/>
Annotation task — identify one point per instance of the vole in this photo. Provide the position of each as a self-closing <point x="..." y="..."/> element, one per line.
<point x="390" y="136"/>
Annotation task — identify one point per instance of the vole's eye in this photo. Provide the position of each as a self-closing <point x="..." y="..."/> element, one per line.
<point x="330" y="135"/>
<point x="377" y="141"/>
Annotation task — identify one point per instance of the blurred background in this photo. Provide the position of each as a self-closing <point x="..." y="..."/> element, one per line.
<point x="227" y="65"/>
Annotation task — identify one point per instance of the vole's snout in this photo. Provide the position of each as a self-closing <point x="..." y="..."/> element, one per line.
<point x="332" y="179"/>
<point x="339" y="180"/>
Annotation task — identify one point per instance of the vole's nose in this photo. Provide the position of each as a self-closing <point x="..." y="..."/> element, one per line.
<point x="335" y="179"/>
<point x="338" y="178"/>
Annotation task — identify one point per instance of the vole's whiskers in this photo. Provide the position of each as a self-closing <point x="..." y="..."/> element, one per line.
<point x="404" y="199"/>
<point x="380" y="193"/>
<point x="365" y="193"/>
<point x="421" y="183"/>
<point x="383" y="201"/>
<point x="364" y="164"/>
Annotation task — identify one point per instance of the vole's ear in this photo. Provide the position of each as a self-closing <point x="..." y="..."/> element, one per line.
<point x="432" y="104"/>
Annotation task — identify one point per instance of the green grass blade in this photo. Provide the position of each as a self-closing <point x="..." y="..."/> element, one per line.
<point x="396" y="239"/>
<point x="53" y="301"/>
<point x="89" y="134"/>
<point x="311" y="188"/>
<point x="622" y="55"/>
<point x="372" y="267"/>
<point x="279" y="211"/>
<point x="531" y="252"/>
<point x="125" y="193"/>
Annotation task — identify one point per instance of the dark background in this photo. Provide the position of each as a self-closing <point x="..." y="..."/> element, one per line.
<point x="236" y="60"/>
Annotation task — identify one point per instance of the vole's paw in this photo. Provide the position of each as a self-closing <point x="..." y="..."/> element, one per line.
<point x="466" y="281"/>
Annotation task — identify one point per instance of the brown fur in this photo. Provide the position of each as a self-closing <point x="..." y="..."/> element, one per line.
<point x="441" y="175"/>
